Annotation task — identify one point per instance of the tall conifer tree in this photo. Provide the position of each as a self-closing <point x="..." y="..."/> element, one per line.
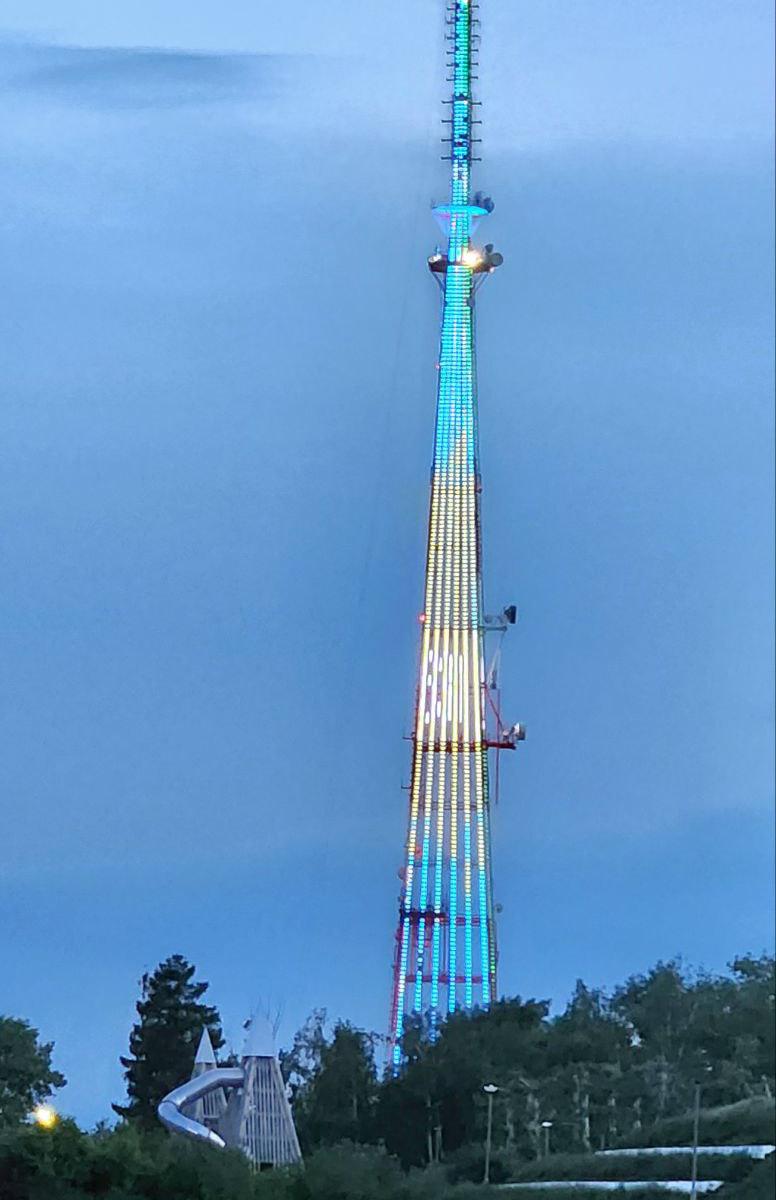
<point x="164" y="1040"/>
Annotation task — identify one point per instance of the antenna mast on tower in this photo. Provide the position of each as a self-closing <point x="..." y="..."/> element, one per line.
<point x="445" y="953"/>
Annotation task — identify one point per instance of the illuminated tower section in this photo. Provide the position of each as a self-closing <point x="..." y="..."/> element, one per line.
<point x="445" y="953"/>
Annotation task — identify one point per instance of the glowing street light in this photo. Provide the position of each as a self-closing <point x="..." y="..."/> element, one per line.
<point x="546" y="1126"/>
<point x="45" y="1116"/>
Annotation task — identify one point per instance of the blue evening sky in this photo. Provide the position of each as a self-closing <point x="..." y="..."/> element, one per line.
<point x="218" y="373"/>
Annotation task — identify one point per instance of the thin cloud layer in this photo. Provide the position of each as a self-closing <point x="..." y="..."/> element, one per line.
<point x="117" y="78"/>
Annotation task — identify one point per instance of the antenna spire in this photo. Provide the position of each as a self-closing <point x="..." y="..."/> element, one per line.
<point x="445" y="953"/>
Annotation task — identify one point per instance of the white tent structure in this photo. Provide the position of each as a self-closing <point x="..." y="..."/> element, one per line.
<point x="245" y="1107"/>
<point x="209" y="1109"/>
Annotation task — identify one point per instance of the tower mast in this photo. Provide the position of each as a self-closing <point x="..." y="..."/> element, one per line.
<point x="445" y="953"/>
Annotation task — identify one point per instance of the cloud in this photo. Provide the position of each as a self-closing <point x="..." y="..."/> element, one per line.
<point x="117" y="78"/>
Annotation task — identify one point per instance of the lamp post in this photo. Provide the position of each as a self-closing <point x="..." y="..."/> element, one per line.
<point x="490" y="1090"/>
<point x="546" y="1126"/>
<point x="695" y="1123"/>
<point x="696" y="1120"/>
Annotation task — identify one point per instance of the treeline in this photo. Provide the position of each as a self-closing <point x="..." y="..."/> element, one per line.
<point x="600" y="1074"/>
<point x="619" y="1068"/>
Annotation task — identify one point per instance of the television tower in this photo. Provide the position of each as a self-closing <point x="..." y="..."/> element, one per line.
<point x="445" y="953"/>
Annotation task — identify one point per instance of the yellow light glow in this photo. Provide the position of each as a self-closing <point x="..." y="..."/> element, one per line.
<point x="45" y="1116"/>
<point x="471" y="258"/>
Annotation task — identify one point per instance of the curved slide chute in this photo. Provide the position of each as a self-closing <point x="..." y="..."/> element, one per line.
<point x="176" y="1121"/>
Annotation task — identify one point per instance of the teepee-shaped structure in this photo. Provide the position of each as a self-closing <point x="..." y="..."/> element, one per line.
<point x="209" y="1109"/>
<point x="264" y="1125"/>
<point x="256" y="1118"/>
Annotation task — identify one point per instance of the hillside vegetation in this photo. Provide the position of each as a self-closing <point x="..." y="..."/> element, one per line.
<point x="748" y="1122"/>
<point x="613" y="1069"/>
<point x="759" y="1184"/>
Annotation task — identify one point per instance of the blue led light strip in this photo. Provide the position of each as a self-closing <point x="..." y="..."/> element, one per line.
<point x="445" y="944"/>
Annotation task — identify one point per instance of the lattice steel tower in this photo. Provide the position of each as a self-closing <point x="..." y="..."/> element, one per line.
<point x="446" y="955"/>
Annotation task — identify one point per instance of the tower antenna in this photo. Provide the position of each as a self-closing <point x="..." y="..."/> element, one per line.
<point x="445" y="952"/>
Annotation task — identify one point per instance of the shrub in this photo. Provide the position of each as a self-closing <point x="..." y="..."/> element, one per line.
<point x="349" y="1172"/>
<point x="648" y="1166"/>
<point x="123" y="1164"/>
<point x="468" y="1165"/>
<point x="760" y="1183"/>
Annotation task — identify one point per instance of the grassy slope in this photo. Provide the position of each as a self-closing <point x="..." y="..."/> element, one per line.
<point x="673" y="1166"/>
<point x="750" y="1122"/>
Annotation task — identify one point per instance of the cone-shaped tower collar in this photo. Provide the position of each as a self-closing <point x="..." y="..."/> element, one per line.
<point x="205" y="1053"/>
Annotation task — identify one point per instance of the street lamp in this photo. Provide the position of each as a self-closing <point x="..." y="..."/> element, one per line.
<point x="695" y="1130"/>
<point x="546" y="1126"/>
<point x="490" y="1090"/>
<point x="45" y="1116"/>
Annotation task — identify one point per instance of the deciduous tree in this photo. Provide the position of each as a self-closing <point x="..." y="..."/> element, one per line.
<point x="26" y="1074"/>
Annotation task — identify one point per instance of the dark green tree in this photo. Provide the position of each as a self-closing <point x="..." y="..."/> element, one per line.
<point x="692" y="1028"/>
<point x="589" y="1049"/>
<point x="754" y="1016"/>
<point x="337" y="1102"/>
<point x="26" y="1074"/>
<point x="441" y="1081"/>
<point x="163" y="1042"/>
<point x="657" y="1008"/>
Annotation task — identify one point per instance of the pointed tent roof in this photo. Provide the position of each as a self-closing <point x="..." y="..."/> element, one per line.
<point x="259" y="1039"/>
<point x="205" y="1054"/>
